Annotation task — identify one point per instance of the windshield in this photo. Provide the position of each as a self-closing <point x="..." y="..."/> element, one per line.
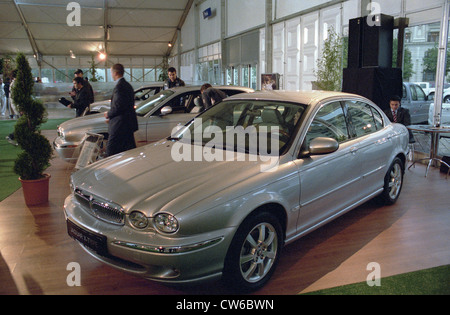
<point x="250" y="126"/>
<point x="152" y="102"/>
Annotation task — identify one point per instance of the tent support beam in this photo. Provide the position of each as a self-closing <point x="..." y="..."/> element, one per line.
<point x="33" y="44"/>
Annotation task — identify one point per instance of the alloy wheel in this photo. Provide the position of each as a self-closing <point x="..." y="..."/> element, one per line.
<point x="258" y="252"/>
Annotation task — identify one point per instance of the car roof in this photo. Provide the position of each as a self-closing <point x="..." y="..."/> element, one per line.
<point x="305" y="97"/>
<point x="189" y="88"/>
<point x="151" y="85"/>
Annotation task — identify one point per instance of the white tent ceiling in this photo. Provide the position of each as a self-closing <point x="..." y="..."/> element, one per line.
<point x="124" y="27"/>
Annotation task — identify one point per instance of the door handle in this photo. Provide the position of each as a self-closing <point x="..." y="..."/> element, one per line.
<point x="354" y="150"/>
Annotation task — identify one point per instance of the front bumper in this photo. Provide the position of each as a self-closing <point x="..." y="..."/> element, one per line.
<point x="149" y="254"/>
<point x="66" y="150"/>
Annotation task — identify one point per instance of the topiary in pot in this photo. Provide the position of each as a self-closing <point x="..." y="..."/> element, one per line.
<point x="37" y="151"/>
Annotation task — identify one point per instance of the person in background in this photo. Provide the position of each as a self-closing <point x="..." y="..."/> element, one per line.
<point x="2" y="100"/>
<point x="173" y="80"/>
<point x="211" y="96"/>
<point x="87" y="85"/>
<point x="13" y="112"/>
<point x="398" y="114"/>
<point x="122" y="116"/>
<point x="81" y="100"/>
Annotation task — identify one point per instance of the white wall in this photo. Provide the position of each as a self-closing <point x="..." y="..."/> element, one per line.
<point x="188" y="31"/>
<point x="210" y="28"/>
<point x="244" y="14"/>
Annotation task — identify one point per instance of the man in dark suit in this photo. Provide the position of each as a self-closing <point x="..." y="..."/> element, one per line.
<point x="81" y="99"/>
<point x="122" y="116"/>
<point x="86" y="84"/>
<point x="398" y="114"/>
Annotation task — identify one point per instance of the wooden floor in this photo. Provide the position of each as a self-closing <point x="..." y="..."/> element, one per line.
<point x="414" y="234"/>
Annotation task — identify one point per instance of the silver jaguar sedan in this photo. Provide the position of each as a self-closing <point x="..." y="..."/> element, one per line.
<point x="157" y="115"/>
<point x="222" y="195"/>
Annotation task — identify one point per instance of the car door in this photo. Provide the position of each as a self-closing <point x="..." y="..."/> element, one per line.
<point x="328" y="183"/>
<point x="415" y="101"/>
<point x="161" y="126"/>
<point x="422" y="102"/>
<point x="375" y="143"/>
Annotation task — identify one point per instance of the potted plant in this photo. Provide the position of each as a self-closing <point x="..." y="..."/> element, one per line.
<point x="329" y="66"/>
<point x="37" y="151"/>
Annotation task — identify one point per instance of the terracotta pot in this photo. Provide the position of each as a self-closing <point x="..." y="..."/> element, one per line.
<point x="35" y="191"/>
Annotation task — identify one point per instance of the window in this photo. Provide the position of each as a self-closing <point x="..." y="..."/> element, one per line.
<point x="404" y="93"/>
<point x="362" y="117"/>
<point x="183" y="103"/>
<point x="329" y="122"/>
<point x="246" y="126"/>
<point x="420" y="95"/>
<point x="377" y="118"/>
<point x="433" y="37"/>
<point x="413" y="93"/>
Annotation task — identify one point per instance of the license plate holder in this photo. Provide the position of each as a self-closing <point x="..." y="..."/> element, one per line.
<point x="89" y="239"/>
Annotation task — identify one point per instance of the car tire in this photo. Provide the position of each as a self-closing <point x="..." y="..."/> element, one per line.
<point x="393" y="182"/>
<point x="447" y="99"/>
<point x="254" y="252"/>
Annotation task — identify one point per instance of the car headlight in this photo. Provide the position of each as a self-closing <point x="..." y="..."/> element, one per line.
<point x="138" y="220"/>
<point x="61" y="133"/>
<point x="166" y="223"/>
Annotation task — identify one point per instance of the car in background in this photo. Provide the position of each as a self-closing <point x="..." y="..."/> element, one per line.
<point x="415" y="100"/>
<point x="140" y="94"/>
<point x="431" y="91"/>
<point x="446" y="96"/>
<point x="427" y="87"/>
<point x="223" y="195"/>
<point x="157" y="116"/>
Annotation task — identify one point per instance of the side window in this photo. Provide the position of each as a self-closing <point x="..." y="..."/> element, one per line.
<point x="404" y="94"/>
<point x="363" y="118"/>
<point x="420" y="94"/>
<point x="182" y="103"/>
<point x="378" y="118"/>
<point x="328" y="122"/>
<point x="413" y="93"/>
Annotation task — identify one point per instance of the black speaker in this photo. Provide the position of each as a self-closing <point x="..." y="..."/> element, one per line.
<point x="370" y="41"/>
<point x="377" y="84"/>
<point x="377" y="41"/>
<point x="355" y="43"/>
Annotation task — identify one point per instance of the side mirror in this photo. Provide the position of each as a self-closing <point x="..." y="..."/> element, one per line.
<point x="322" y="145"/>
<point x="166" y="110"/>
<point x="319" y="146"/>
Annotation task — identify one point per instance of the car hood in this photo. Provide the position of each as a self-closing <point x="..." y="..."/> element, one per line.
<point x="149" y="180"/>
<point x="89" y="123"/>
<point x="100" y="104"/>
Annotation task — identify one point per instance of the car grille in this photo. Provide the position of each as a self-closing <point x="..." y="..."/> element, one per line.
<point x="99" y="208"/>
